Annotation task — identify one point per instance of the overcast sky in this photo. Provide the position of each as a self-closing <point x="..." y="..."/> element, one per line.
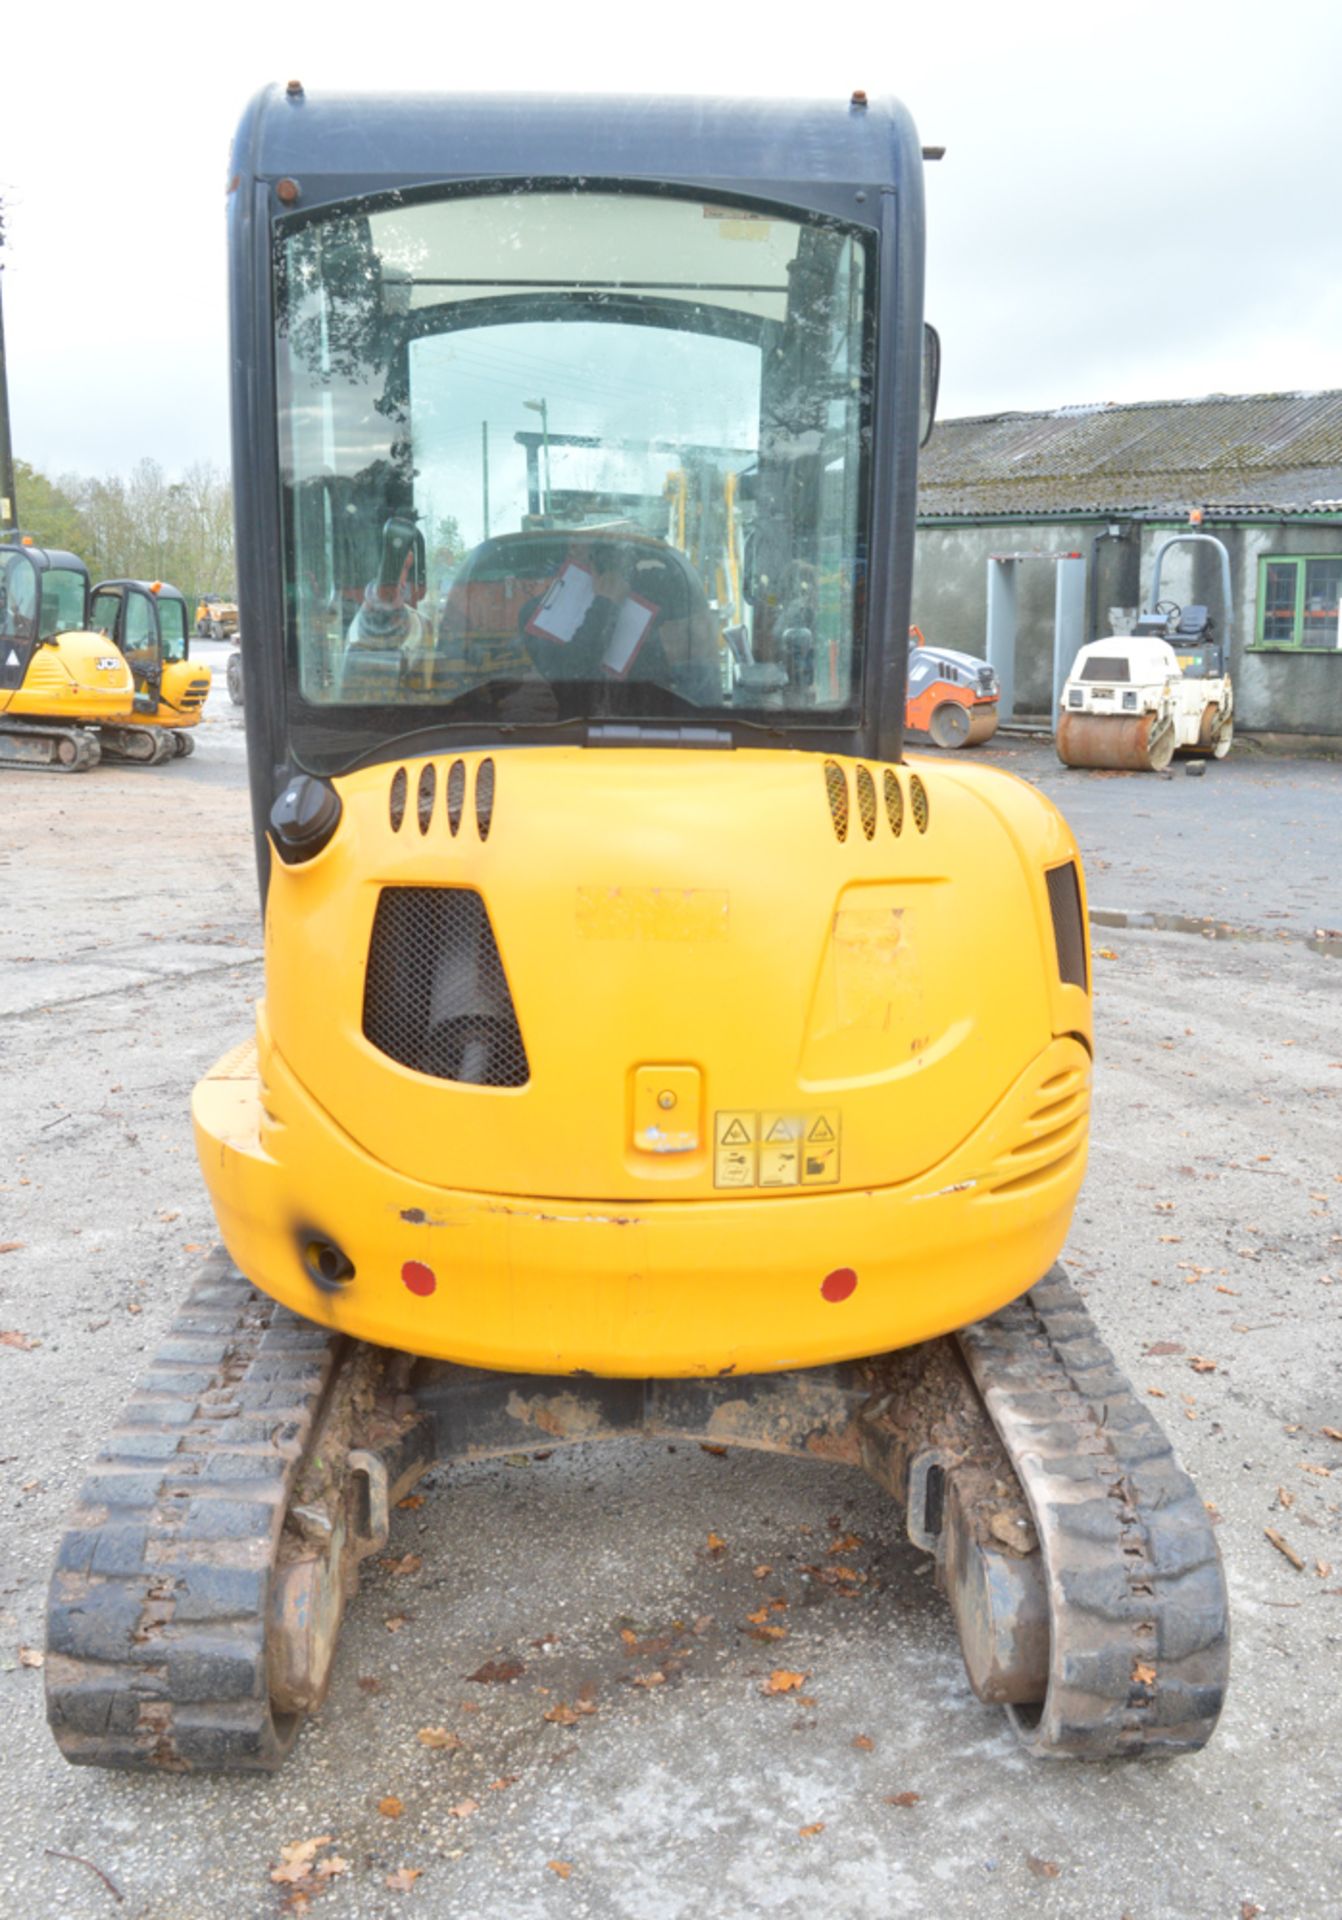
<point x="1136" y="203"/>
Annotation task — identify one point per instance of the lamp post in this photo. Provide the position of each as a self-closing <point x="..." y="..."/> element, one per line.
<point x="9" y="507"/>
<point x="540" y="407"/>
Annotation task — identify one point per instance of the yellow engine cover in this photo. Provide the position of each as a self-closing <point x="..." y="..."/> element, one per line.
<point x="76" y="676"/>
<point x="183" y="691"/>
<point x="789" y="1071"/>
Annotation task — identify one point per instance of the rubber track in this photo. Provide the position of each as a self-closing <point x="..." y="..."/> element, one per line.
<point x="156" y="1619"/>
<point x="88" y="748"/>
<point x="1139" y="1653"/>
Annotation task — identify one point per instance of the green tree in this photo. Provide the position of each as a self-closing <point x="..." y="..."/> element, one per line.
<point x="47" y="510"/>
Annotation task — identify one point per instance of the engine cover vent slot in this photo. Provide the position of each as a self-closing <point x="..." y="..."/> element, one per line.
<point x="1069" y="932"/>
<point x="836" y="790"/>
<point x="919" y="804"/>
<point x="396" y="803"/>
<point x="866" y="802"/>
<point x="456" y="795"/>
<point x="484" y="797"/>
<point x="436" y="998"/>
<point x="894" y="803"/>
<point x="428" y="785"/>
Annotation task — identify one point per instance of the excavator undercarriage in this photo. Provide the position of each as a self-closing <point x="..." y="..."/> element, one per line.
<point x="199" y="1592"/>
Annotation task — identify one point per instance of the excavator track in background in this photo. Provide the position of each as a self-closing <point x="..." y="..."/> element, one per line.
<point x="198" y="1593"/>
<point x="140" y="746"/>
<point x="38" y="747"/>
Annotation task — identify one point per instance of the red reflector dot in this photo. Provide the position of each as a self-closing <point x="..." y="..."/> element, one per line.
<point x="419" y="1278"/>
<point x="838" y="1285"/>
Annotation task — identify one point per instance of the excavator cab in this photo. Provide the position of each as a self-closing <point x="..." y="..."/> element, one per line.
<point x="148" y="622"/>
<point x="647" y="1045"/>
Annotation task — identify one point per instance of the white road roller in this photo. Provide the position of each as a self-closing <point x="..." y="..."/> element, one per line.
<point x="1135" y="700"/>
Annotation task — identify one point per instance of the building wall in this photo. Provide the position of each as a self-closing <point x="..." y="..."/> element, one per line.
<point x="1280" y="690"/>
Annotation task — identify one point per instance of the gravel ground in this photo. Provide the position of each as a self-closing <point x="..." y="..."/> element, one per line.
<point x="1210" y="1229"/>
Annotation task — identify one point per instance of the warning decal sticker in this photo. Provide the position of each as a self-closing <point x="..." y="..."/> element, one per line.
<point x="774" y="1149"/>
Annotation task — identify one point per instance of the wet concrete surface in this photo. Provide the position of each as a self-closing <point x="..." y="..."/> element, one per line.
<point x="1210" y="1228"/>
<point x="1255" y="839"/>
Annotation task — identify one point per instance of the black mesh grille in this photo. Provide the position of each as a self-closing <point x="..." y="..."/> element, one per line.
<point x="836" y="791"/>
<point x="918" y="803"/>
<point x="1069" y="934"/>
<point x="428" y="782"/>
<point x="456" y="793"/>
<point x="894" y="803"/>
<point x="436" y="998"/>
<point x="866" y="802"/>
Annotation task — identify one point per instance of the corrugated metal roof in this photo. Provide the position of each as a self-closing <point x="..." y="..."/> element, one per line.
<point x="1270" y="451"/>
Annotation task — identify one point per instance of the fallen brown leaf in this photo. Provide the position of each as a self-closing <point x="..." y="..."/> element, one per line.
<point x="439" y="1739"/>
<point x="1161" y="1347"/>
<point x="31" y="1657"/>
<point x="760" y="1614"/>
<point x="902" y="1799"/>
<point x="296" y="1859"/>
<point x="562" y="1867"/>
<point x="561" y="1715"/>
<point x="403" y="1879"/>
<point x="1330" y="1433"/>
<point x="716" y="1543"/>
<point x="629" y="1637"/>
<point x="719" y="1453"/>
<point x="863" y="1742"/>
<point x="390" y="1807"/>
<point x="849" y="1544"/>
<point x="807" y="1833"/>
<point x="1284" y="1548"/>
<point x="368" y="1683"/>
<point x="504" y="1780"/>
<point x="768" y="1633"/>
<point x="761" y="1572"/>
<point x="654" y="1679"/>
<point x="395" y="1621"/>
<point x="408" y="1563"/>
<point x="1202" y="1366"/>
<point x="497" y="1672"/>
<point x="24" y="1341"/>
<point x="1143" y="1675"/>
<point x="783" y="1680"/>
<point x="1044" y="1869"/>
<point x="464" y="1809"/>
<point x="328" y="1868"/>
<point x="411" y="1502"/>
<point x="11" y="1246"/>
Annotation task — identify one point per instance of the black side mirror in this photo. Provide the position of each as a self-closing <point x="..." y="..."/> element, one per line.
<point x="930" y="382"/>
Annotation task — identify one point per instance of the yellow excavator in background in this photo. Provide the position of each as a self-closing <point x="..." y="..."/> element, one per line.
<point x="147" y="621"/>
<point x="59" y="682"/>
<point x="643" y="1049"/>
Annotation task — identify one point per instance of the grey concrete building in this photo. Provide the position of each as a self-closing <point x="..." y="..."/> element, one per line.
<point x="1262" y="472"/>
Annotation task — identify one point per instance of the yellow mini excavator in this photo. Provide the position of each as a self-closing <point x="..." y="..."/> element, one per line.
<point x="148" y="622"/>
<point x="647" y="1044"/>
<point x="59" y="682"/>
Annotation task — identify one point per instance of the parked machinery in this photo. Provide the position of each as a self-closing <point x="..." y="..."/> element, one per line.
<point x="1135" y="700"/>
<point x="951" y="696"/>
<point x="147" y="620"/>
<point x="59" y="682"/>
<point x="216" y="618"/>
<point x="638" y="1053"/>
